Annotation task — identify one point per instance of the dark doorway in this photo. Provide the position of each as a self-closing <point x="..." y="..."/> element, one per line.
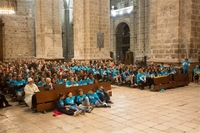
<point x="1" y="40"/>
<point x="122" y="41"/>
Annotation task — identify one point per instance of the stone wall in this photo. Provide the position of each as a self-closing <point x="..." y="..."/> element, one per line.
<point x="91" y="17"/>
<point x="174" y="30"/>
<point x="48" y="29"/>
<point x="19" y="32"/>
<point x="195" y="30"/>
<point x="165" y="30"/>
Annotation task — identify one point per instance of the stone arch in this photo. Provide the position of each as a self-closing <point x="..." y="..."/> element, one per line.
<point x="122" y="43"/>
<point x="124" y="21"/>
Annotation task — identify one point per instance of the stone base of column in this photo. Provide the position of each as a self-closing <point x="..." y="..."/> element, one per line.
<point x="170" y="61"/>
<point x="51" y="59"/>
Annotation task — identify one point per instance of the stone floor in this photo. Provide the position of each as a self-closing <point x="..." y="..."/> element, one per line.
<point x="134" y="111"/>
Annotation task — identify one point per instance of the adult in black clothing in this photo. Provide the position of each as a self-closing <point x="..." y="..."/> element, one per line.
<point x="3" y="100"/>
<point x="61" y="107"/>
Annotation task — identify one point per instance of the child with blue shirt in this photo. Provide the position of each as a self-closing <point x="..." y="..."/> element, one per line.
<point x="150" y="79"/>
<point x="196" y="71"/>
<point x="95" y="101"/>
<point x="71" y="82"/>
<point x="60" y="80"/>
<point x="70" y="101"/>
<point x="63" y="108"/>
<point x="42" y="82"/>
<point x="141" y="78"/>
<point x="117" y="75"/>
<point x="90" y="79"/>
<point x="83" y="101"/>
<point x="84" y="81"/>
<point x="103" y="95"/>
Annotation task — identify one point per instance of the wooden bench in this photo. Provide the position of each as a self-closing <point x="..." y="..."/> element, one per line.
<point x="59" y="86"/>
<point x="181" y="79"/>
<point x="45" y="99"/>
<point x="163" y="82"/>
<point x="167" y="82"/>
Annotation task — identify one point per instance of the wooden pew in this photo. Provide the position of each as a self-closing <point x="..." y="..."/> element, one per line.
<point x="59" y="86"/>
<point x="45" y="99"/>
<point x="181" y="79"/>
<point x="163" y="82"/>
<point x="167" y="82"/>
<point x="41" y="88"/>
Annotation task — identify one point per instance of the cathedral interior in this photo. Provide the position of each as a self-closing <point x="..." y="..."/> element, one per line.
<point x="75" y="32"/>
<point x="161" y="31"/>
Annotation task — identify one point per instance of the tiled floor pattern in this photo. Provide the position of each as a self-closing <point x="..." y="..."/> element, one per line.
<point x="133" y="111"/>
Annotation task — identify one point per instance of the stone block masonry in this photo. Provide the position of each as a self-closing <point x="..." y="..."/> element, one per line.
<point x="48" y="29"/>
<point x="91" y="17"/>
<point x="174" y="30"/>
<point x="18" y="31"/>
<point x="18" y="37"/>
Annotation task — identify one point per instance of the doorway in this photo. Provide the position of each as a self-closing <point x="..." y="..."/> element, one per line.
<point x="122" y="41"/>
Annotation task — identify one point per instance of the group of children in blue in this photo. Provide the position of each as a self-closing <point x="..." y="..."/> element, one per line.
<point x="81" y="103"/>
<point x="75" y="73"/>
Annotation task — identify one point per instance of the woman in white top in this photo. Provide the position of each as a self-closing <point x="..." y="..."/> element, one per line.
<point x="30" y="89"/>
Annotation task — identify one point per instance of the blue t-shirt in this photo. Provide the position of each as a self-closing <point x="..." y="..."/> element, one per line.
<point x="140" y="76"/>
<point x="11" y="82"/>
<point x="80" y="98"/>
<point x="19" y="83"/>
<point x="93" y="97"/>
<point x="60" y="81"/>
<point x="172" y="71"/>
<point x="185" y="65"/>
<point x="70" y="100"/>
<point x="41" y="84"/>
<point x="83" y="82"/>
<point x="164" y="73"/>
<point x="90" y="81"/>
<point x="68" y="83"/>
<point x="62" y="103"/>
<point x="196" y="70"/>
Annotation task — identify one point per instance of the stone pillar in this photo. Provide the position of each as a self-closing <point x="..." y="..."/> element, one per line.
<point x="48" y="29"/>
<point x="67" y="29"/>
<point x="174" y="30"/>
<point x="91" y="17"/>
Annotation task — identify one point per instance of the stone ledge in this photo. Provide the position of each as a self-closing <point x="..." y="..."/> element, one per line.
<point x="170" y="60"/>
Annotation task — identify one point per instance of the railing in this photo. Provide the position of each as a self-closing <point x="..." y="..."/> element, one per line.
<point x="123" y="7"/>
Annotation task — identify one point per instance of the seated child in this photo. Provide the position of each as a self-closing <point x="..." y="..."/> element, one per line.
<point x="103" y="95"/>
<point x="70" y="101"/>
<point x="83" y="101"/>
<point x="95" y="101"/>
<point x="61" y="107"/>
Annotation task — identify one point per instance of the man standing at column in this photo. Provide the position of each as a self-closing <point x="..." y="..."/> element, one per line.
<point x="186" y="64"/>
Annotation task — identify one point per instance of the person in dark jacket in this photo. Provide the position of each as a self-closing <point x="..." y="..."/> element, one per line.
<point x="3" y="101"/>
<point x="61" y="107"/>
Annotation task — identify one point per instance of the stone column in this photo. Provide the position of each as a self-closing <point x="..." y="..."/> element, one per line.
<point x="48" y="29"/>
<point x="174" y="30"/>
<point x="91" y="17"/>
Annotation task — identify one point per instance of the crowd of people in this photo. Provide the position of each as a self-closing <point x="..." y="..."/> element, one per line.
<point x="17" y="77"/>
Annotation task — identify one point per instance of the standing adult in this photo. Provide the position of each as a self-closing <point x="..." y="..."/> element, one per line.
<point x="186" y="64"/>
<point x="19" y="85"/>
<point x="30" y="89"/>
